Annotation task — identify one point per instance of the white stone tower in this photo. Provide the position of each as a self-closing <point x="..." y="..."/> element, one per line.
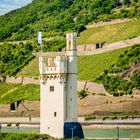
<point x="58" y="92"/>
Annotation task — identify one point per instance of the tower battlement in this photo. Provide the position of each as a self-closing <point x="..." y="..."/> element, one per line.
<point x="53" y="65"/>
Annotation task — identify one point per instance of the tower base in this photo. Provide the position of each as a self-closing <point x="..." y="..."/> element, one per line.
<point x="73" y="130"/>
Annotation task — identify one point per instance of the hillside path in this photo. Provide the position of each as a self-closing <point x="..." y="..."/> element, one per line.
<point x="103" y="23"/>
<point x="91" y="48"/>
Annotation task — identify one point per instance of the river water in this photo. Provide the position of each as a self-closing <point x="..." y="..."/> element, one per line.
<point x="89" y="133"/>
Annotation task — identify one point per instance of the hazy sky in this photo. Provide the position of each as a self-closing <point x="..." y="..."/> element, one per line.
<point x="8" y="5"/>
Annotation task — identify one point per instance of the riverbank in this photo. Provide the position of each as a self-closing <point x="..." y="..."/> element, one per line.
<point x="26" y="122"/>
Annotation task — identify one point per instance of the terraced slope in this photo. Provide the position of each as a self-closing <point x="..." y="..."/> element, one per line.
<point x="10" y="93"/>
<point x="89" y="67"/>
<point x="110" y="33"/>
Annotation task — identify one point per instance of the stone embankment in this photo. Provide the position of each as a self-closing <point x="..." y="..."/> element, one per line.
<point x="97" y="123"/>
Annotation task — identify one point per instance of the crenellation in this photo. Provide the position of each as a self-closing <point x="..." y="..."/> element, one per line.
<point x="71" y="41"/>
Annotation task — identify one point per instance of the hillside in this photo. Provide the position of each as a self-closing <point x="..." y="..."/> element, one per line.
<point x="119" y="76"/>
<point x="16" y="92"/>
<point x="124" y="75"/>
<point x="16" y="56"/>
<point x="87" y="70"/>
<point x="56" y="17"/>
<point x="111" y="32"/>
<point x="90" y="72"/>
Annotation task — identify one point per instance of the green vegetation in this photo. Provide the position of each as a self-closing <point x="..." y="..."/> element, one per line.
<point x="30" y="70"/>
<point x="16" y="56"/>
<point x="54" y="18"/>
<point x="124" y="117"/>
<point x="129" y="10"/>
<point x="111" y="33"/>
<point x="116" y="85"/>
<point x="135" y="77"/>
<point x="4" y="88"/>
<point x="16" y="92"/>
<point x="127" y="67"/>
<point x="90" y="117"/>
<point x="126" y="60"/>
<point x="9" y="125"/>
<point x="111" y="117"/>
<point x="22" y="136"/>
<point x="89" y="67"/>
<point x="82" y="94"/>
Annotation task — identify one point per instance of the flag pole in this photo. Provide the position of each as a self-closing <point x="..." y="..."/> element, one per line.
<point x="40" y="40"/>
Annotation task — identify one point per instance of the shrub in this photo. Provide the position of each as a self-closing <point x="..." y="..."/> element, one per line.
<point x="90" y="117"/>
<point x="104" y="118"/>
<point x="114" y="117"/>
<point x="17" y="124"/>
<point x="124" y="117"/>
<point x="9" y="125"/>
<point x="82" y="94"/>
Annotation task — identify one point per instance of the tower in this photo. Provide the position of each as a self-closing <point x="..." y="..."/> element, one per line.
<point x="58" y="92"/>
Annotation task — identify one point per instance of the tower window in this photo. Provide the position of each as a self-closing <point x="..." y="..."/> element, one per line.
<point x="54" y="114"/>
<point x="51" y="88"/>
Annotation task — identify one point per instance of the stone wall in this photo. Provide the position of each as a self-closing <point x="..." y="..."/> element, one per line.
<point x="89" y="86"/>
<point x="20" y="80"/>
<point x="23" y="109"/>
<point x="4" y="108"/>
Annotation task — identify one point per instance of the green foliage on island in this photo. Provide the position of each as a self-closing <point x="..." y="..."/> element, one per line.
<point x="54" y="18"/>
<point x="123" y="76"/>
<point x="15" y="56"/>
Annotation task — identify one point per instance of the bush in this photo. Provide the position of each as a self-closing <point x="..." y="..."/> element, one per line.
<point x="82" y="94"/>
<point x="104" y="118"/>
<point x="124" y="117"/>
<point x="22" y="136"/>
<point x="9" y="125"/>
<point x="114" y="117"/>
<point x="17" y="124"/>
<point x="90" y="117"/>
